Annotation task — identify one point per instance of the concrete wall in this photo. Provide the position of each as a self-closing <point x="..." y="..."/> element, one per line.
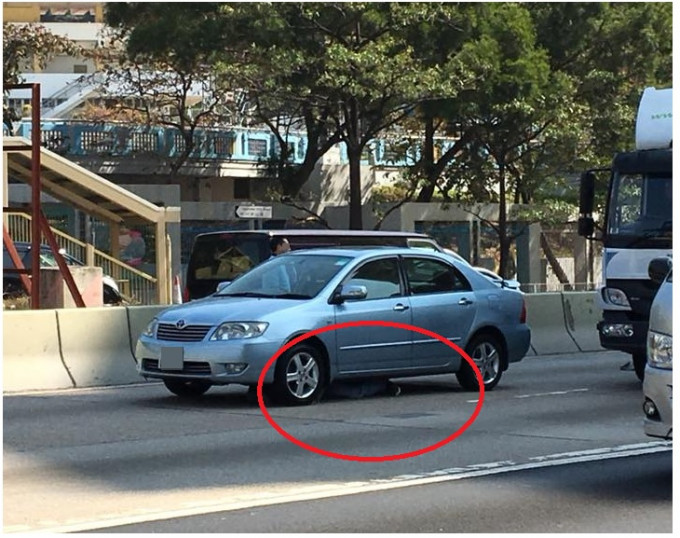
<point x="92" y="347"/>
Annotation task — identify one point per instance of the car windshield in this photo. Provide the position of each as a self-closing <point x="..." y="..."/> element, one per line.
<point x="641" y="206"/>
<point x="288" y="276"/>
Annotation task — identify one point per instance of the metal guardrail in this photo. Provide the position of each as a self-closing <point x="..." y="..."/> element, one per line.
<point x="137" y="287"/>
<point x="78" y="138"/>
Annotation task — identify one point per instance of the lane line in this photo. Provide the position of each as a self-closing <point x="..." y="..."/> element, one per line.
<point x="540" y="394"/>
<point x="554" y="393"/>
<point x="352" y="488"/>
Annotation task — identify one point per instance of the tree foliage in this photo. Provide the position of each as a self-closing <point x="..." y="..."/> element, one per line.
<point x="168" y="60"/>
<point x="531" y="93"/>
<point x="28" y="46"/>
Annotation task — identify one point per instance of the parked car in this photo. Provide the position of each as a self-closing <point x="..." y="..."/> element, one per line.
<point x="657" y="385"/>
<point x="494" y="277"/>
<point x="217" y="258"/>
<point x="11" y="282"/>
<point x="230" y="336"/>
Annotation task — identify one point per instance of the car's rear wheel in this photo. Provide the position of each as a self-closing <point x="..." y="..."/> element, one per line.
<point x="300" y="375"/>
<point x="488" y="355"/>
<point x="187" y="388"/>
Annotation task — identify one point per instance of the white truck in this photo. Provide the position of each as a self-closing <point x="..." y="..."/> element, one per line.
<point x="638" y="226"/>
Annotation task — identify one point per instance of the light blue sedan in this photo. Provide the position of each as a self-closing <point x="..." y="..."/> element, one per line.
<point x="230" y="336"/>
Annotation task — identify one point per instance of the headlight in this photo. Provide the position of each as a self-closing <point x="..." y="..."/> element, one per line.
<point x="615" y="296"/>
<point x="660" y="350"/>
<point x="151" y="328"/>
<point x="235" y="330"/>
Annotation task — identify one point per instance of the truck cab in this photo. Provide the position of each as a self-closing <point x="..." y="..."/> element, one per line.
<point x="638" y="227"/>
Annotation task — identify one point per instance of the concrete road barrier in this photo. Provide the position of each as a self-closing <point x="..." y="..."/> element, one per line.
<point x="581" y="314"/>
<point x="65" y="348"/>
<point x="545" y="316"/>
<point x="138" y="318"/>
<point x="31" y="357"/>
<point x="95" y="344"/>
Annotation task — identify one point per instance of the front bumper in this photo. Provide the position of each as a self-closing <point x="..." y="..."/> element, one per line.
<point x="658" y="388"/>
<point x="207" y="361"/>
<point x="635" y="342"/>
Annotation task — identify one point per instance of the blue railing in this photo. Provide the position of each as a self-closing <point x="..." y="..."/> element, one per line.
<point x="73" y="138"/>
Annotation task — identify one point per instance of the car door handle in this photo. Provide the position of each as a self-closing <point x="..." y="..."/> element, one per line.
<point x="465" y="301"/>
<point x="400" y="307"/>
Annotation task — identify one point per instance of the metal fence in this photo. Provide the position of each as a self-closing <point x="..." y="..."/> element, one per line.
<point x="136" y="286"/>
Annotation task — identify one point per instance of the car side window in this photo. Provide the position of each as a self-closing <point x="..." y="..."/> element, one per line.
<point x="433" y="276"/>
<point x="380" y="277"/>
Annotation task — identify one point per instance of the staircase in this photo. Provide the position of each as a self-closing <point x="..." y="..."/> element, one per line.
<point x="137" y="287"/>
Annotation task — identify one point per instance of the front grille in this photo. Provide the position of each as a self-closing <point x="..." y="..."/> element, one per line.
<point x="189" y="367"/>
<point x="190" y="333"/>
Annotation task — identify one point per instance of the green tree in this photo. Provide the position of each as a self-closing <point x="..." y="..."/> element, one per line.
<point x="510" y="111"/>
<point x="26" y="47"/>
<point x="373" y="74"/>
<point x="611" y="51"/>
<point x="166" y="62"/>
<point x="279" y="64"/>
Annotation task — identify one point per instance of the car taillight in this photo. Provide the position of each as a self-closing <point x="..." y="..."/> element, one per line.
<point x="185" y="299"/>
<point x="523" y="313"/>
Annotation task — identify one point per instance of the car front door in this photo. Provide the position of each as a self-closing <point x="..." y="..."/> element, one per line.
<point x="442" y="301"/>
<point x="375" y="349"/>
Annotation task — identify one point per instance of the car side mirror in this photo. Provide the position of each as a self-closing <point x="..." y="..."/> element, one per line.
<point x="222" y="285"/>
<point x="658" y="269"/>
<point x="349" y="293"/>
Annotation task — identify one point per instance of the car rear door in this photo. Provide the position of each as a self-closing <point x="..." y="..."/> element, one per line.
<point x="375" y="349"/>
<point x="442" y="301"/>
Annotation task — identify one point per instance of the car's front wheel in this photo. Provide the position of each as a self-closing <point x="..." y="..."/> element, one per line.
<point x="299" y="377"/>
<point x="487" y="353"/>
<point x="187" y="388"/>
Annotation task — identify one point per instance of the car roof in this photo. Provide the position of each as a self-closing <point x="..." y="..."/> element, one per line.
<point x="363" y="251"/>
<point x="320" y="232"/>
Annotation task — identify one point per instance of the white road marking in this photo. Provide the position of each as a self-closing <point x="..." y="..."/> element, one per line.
<point x="554" y="393"/>
<point x="539" y="394"/>
<point x="306" y="493"/>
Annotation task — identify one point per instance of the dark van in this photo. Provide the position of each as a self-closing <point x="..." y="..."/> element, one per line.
<point x="221" y="256"/>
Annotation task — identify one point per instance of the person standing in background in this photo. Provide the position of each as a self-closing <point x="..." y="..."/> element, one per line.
<point x="279" y="245"/>
<point x="281" y="279"/>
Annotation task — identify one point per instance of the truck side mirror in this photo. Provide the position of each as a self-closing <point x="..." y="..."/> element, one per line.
<point x="586" y="226"/>
<point x="658" y="269"/>
<point x="587" y="193"/>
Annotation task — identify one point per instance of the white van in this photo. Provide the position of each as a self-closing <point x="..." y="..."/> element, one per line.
<point x="658" y="382"/>
<point x="217" y="257"/>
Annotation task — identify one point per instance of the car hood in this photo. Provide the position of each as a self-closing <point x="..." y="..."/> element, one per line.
<point x="213" y="310"/>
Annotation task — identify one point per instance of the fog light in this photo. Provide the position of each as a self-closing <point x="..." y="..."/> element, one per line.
<point x="622" y="330"/>
<point x="235" y="367"/>
<point x="650" y="409"/>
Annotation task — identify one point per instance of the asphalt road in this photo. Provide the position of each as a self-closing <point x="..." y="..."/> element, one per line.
<point x="557" y="446"/>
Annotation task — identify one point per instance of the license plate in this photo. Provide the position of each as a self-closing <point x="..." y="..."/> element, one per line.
<point x="172" y="358"/>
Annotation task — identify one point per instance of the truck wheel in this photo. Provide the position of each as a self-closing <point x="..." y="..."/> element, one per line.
<point x="299" y="376"/>
<point x="639" y="363"/>
<point x="187" y="388"/>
